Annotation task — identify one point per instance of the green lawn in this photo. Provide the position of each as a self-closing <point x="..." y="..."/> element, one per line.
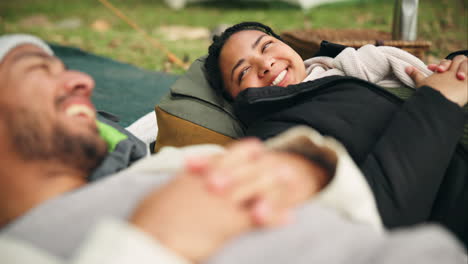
<point x="444" y="22"/>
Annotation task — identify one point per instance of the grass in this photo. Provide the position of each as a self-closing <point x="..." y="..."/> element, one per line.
<point x="444" y="22"/>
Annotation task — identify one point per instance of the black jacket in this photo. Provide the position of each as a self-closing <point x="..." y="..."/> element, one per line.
<point x="407" y="150"/>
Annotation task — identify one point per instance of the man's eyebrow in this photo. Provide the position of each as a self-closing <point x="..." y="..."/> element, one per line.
<point x="29" y="54"/>
<point x="37" y="54"/>
<point x="254" y="45"/>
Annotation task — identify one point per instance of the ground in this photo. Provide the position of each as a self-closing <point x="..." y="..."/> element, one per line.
<point x="89" y="25"/>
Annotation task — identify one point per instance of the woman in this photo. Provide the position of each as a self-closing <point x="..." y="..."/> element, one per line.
<point x="407" y="149"/>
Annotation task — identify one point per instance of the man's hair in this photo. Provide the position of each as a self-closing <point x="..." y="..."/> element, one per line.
<point x="212" y="67"/>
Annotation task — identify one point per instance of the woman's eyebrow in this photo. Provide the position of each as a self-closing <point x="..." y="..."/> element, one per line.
<point x="236" y="66"/>
<point x="254" y="45"/>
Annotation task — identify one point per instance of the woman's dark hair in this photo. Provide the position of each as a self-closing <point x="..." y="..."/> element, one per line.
<point x="212" y="69"/>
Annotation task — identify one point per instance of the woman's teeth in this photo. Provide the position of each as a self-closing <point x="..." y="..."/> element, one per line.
<point x="279" y="78"/>
<point x="78" y="109"/>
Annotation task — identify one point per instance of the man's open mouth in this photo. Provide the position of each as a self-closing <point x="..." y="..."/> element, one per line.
<point x="80" y="110"/>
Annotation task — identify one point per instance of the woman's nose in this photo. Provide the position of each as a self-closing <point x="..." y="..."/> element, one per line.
<point x="265" y="65"/>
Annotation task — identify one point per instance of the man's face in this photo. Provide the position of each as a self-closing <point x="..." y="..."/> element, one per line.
<point x="46" y="111"/>
<point x="251" y="58"/>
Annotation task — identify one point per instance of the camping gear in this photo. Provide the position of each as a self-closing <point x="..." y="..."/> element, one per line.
<point x="405" y="19"/>
<point x="307" y="42"/>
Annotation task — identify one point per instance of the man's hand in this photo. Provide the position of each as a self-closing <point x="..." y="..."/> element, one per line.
<point x="185" y="217"/>
<point x="447" y="82"/>
<point x="268" y="183"/>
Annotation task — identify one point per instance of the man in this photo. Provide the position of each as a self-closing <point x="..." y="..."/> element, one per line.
<point x="51" y="142"/>
<point x="50" y="145"/>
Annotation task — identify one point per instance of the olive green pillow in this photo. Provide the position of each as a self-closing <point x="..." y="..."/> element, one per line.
<point x="200" y="114"/>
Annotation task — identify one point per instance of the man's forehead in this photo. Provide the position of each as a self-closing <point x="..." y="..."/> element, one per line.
<point x="23" y="51"/>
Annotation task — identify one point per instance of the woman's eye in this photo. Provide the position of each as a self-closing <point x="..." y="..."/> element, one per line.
<point x="266" y="45"/>
<point x="243" y="73"/>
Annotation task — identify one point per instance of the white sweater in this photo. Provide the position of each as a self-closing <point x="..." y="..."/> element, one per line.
<point x="384" y="66"/>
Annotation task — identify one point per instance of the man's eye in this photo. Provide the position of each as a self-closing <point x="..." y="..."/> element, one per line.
<point x="266" y="45"/>
<point x="42" y="66"/>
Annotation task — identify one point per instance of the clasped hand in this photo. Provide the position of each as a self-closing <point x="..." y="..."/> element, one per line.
<point x="449" y="78"/>
<point x="218" y="197"/>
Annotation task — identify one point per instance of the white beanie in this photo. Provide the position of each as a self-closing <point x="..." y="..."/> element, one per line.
<point x="9" y="42"/>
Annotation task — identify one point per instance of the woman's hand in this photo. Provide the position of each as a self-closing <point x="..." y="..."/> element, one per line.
<point x="447" y="82"/>
<point x="445" y="64"/>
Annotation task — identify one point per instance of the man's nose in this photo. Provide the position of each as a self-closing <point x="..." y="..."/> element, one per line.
<point x="78" y="82"/>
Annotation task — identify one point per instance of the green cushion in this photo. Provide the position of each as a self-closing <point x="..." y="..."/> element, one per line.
<point x="191" y="98"/>
<point x="121" y="89"/>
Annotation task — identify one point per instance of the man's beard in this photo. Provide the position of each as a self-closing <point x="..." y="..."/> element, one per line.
<point x="34" y="141"/>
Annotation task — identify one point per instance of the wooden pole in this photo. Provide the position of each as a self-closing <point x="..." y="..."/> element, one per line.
<point x="171" y="56"/>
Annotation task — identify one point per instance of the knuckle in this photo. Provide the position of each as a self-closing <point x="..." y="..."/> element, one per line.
<point x="459" y="58"/>
<point x="251" y="145"/>
<point x="446" y="64"/>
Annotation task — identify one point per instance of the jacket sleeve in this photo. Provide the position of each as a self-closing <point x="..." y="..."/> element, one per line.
<point x="112" y="241"/>
<point x="347" y="192"/>
<point x="408" y="163"/>
<point x="118" y="242"/>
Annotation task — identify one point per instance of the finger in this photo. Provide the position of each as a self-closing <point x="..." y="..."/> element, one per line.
<point x="259" y="178"/>
<point x="259" y="185"/>
<point x="250" y="147"/>
<point x="218" y="182"/>
<point x="432" y="67"/>
<point x="414" y="74"/>
<point x="456" y="62"/>
<point x="443" y="65"/>
<point x="265" y="211"/>
<point x="235" y="178"/>
<point x="463" y="70"/>
<point x="261" y="212"/>
<point x="226" y="180"/>
<point x="267" y="214"/>
<point x="199" y="165"/>
<point x="237" y="155"/>
<point x="268" y="175"/>
<point x="243" y="150"/>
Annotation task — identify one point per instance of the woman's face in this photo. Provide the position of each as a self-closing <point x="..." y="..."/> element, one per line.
<point x="252" y="58"/>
